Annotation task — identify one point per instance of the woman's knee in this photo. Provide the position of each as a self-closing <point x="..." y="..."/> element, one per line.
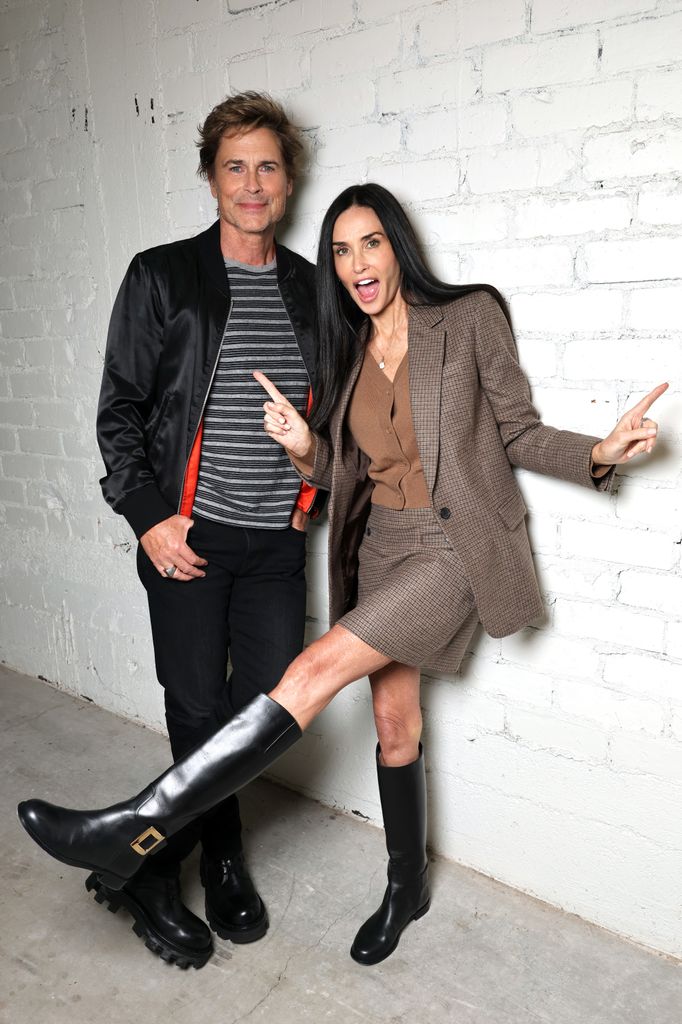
<point x="398" y="732"/>
<point x="328" y="664"/>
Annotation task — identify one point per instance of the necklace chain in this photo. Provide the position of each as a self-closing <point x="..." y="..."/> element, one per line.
<point x="382" y="362"/>
<point x="373" y="341"/>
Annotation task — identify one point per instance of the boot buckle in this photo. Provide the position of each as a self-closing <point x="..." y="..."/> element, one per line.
<point x="138" y="845"/>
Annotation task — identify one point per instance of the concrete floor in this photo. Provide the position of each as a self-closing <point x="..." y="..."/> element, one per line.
<point x="483" y="955"/>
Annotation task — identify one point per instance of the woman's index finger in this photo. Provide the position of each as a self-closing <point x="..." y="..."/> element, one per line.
<point x="266" y="383"/>
<point x="645" y="403"/>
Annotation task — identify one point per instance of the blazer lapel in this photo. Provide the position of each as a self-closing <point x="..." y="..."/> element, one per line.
<point x="336" y="427"/>
<point x="426" y="350"/>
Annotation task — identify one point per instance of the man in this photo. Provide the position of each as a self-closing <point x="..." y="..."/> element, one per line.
<point x="218" y="510"/>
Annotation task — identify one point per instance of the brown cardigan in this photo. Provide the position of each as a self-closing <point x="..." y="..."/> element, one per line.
<point x="380" y="420"/>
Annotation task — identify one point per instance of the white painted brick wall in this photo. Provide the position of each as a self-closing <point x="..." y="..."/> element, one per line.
<point x="659" y="95"/>
<point x="660" y="207"/>
<point x="642" y="153"/>
<point x="566" y="108"/>
<point x="587" y="310"/>
<point x="516" y="66"/>
<point x="538" y="144"/>
<point x="652" y="41"/>
<point x="524" y="168"/>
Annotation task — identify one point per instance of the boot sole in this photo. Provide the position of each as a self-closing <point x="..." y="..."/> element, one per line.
<point x="371" y="961"/>
<point x="143" y="928"/>
<point x="110" y="880"/>
<point x="240" y="936"/>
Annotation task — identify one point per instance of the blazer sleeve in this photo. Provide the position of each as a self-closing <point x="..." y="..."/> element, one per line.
<point x="529" y="442"/>
<point x="315" y="467"/>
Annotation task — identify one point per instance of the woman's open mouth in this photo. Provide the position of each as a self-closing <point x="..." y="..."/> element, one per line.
<point x="367" y="289"/>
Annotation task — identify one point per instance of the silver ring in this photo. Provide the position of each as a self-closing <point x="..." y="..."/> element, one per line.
<point x="170" y="572"/>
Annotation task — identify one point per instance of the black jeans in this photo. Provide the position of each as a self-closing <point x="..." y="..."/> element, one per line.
<point x="250" y="606"/>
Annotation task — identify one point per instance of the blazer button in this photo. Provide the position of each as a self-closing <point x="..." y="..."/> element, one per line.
<point x="445" y="513"/>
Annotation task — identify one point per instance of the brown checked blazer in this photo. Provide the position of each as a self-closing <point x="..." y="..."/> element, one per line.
<point x="473" y="419"/>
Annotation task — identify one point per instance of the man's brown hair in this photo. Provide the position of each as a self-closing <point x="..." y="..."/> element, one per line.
<point x="245" y="112"/>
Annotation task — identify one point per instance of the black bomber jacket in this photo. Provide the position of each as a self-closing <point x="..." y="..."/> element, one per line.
<point x="164" y="340"/>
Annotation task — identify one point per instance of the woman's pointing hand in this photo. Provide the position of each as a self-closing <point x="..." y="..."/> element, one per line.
<point x="282" y="422"/>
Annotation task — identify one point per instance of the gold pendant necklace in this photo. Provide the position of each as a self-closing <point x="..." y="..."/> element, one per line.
<point x="382" y="363"/>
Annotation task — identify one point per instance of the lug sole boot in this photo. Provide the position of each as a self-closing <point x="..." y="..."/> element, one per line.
<point x="407" y="896"/>
<point x="115" y="841"/>
<point x="166" y="926"/>
<point x="234" y="909"/>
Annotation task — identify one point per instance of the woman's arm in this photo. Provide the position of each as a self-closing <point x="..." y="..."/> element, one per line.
<point x="529" y="443"/>
<point x="310" y="453"/>
<point x="315" y="467"/>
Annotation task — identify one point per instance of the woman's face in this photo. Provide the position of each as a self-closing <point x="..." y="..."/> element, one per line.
<point x="364" y="260"/>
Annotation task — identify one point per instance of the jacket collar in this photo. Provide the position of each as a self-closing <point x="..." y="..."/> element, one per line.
<point x="212" y="258"/>
<point x="426" y="316"/>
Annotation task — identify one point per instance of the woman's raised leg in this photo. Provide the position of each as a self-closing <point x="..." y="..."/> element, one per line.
<point x="323" y="669"/>
<point x="114" y="841"/>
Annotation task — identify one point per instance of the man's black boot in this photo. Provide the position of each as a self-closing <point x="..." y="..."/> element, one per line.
<point x="407" y="898"/>
<point x="114" y="842"/>
<point x="234" y="909"/>
<point x="167" y="927"/>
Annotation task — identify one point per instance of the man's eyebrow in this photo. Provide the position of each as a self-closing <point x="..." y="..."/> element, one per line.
<point x="236" y="160"/>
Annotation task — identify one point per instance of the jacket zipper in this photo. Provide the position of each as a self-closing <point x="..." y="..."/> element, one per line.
<point x="203" y="407"/>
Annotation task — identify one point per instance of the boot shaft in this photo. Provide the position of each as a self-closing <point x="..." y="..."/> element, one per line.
<point x="403" y="803"/>
<point x="239" y="751"/>
<point x="115" y="841"/>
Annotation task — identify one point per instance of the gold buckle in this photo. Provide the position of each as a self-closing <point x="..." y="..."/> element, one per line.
<point x="151" y="833"/>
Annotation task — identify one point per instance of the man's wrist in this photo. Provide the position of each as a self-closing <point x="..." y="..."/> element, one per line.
<point x="299" y="519"/>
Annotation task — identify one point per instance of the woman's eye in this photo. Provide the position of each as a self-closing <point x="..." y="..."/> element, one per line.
<point x="372" y="243"/>
<point x="341" y="251"/>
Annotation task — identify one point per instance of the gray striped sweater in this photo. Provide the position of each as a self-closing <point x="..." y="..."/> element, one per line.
<point x="246" y="478"/>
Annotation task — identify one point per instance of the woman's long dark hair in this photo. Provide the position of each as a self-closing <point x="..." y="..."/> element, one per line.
<point x="339" y="319"/>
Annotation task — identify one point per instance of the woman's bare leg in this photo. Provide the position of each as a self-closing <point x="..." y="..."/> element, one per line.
<point x="397" y="714"/>
<point x="316" y="676"/>
<point x="402" y="790"/>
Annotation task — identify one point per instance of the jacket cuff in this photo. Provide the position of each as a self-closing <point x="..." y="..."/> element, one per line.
<point x="605" y="481"/>
<point x="145" y="508"/>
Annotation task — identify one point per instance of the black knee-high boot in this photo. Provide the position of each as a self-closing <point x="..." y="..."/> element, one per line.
<point x="114" y="841"/>
<point x="403" y="802"/>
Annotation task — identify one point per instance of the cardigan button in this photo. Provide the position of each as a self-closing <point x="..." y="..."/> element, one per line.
<point x="445" y="513"/>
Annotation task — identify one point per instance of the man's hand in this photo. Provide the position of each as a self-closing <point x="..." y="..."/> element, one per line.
<point x="299" y="520"/>
<point x="167" y="548"/>
<point x="633" y="434"/>
<point x="282" y="422"/>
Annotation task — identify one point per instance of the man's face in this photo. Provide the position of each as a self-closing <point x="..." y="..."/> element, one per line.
<point x="249" y="181"/>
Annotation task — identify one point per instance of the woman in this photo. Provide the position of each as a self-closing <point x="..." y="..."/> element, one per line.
<point x="421" y="412"/>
